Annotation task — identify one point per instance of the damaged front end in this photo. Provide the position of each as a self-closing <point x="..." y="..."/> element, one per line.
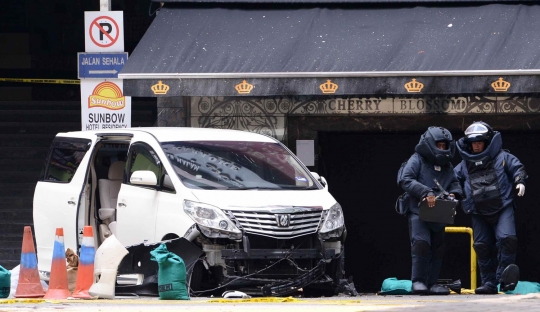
<point x="269" y="251"/>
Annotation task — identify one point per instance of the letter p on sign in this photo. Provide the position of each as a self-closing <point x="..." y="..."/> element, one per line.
<point x="104" y="31"/>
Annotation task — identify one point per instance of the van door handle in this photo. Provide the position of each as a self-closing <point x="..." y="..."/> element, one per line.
<point x="70" y="202"/>
<point x="121" y="205"/>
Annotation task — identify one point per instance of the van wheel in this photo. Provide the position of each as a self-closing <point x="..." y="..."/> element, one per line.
<point x="170" y="236"/>
<point x="196" y="277"/>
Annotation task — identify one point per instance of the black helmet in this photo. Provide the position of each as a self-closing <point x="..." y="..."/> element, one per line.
<point x="427" y="147"/>
<point x="440" y="134"/>
<point x="478" y="131"/>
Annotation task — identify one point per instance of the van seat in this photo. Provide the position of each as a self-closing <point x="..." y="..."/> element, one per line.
<point x="109" y="189"/>
<point x="112" y="227"/>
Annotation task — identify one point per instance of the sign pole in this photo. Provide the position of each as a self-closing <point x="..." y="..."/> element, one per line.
<point x="104" y="5"/>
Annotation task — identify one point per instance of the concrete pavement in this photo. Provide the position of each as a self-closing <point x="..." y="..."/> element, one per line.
<point x="461" y="303"/>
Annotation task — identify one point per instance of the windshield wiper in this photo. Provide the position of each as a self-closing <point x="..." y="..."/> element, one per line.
<point x="313" y="187"/>
<point x="256" y="188"/>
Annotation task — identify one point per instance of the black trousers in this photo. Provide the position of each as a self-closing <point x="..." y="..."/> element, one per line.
<point x="427" y="249"/>
<point x="495" y="243"/>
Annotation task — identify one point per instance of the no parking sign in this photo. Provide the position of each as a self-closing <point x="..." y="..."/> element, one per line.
<point x="104" y="31"/>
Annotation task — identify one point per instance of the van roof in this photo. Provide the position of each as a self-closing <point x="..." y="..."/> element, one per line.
<point x="169" y="134"/>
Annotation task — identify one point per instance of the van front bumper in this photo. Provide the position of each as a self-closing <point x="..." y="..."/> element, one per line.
<point x="277" y="272"/>
<point x="281" y="287"/>
<point x="251" y="254"/>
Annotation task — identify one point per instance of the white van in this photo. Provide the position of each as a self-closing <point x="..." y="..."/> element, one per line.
<point x="243" y="198"/>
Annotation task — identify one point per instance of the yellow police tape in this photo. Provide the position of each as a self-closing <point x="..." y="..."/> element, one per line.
<point x="32" y="80"/>
<point x="465" y="291"/>
<point x="263" y="299"/>
<point x="11" y="301"/>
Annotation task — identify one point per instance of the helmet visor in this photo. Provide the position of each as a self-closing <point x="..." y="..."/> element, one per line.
<point x="476" y="131"/>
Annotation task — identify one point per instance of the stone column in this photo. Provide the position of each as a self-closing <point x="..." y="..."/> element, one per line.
<point x="172" y="112"/>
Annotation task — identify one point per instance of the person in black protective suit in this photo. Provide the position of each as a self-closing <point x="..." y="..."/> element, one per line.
<point x="487" y="174"/>
<point x="430" y="161"/>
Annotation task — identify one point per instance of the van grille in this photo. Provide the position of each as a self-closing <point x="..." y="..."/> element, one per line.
<point x="278" y="223"/>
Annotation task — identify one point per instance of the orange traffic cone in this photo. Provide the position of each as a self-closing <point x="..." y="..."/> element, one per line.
<point x="29" y="284"/>
<point x="58" y="284"/>
<point x="85" y="275"/>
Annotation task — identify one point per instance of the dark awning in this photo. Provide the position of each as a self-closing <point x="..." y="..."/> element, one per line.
<point x="325" y="2"/>
<point x="209" y="49"/>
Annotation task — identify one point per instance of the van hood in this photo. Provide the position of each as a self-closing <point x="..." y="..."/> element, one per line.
<point x="226" y="199"/>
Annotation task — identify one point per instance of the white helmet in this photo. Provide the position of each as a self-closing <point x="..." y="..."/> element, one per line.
<point x="478" y="131"/>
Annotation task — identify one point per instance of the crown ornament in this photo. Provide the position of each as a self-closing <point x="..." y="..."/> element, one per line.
<point x="328" y="87"/>
<point x="244" y="87"/>
<point x="500" y="85"/>
<point x="414" y="86"/>
<point x="160" y="88"/>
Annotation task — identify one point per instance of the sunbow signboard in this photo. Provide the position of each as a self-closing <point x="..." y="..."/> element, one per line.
<point x="103" y="105"/>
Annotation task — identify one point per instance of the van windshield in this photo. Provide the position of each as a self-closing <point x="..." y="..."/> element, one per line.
<point x="234" y="165"/>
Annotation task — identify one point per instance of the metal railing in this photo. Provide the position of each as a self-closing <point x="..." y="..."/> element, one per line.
<point x="462" y="229"/>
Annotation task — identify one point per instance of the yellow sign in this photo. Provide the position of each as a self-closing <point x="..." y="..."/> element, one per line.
<point x="160" y="88"/>
<point x="500" y="85"/>
<point x="414" y="86"/>
<point x="328" y="87"/>
<point x="244" y="87"/>
<point x="107" y="95"/>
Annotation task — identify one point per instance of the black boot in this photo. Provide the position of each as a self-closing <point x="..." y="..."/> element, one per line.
<point x="509" y="278"/>
<point x="487" y="289"/>
<point x="487" y="272"/>
<point x="438" y="290"/>
<point x="419" y="288"/>
<point x="420" y="265"/>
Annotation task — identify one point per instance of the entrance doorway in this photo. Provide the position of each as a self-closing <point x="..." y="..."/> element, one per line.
<point x="361" y="170"/>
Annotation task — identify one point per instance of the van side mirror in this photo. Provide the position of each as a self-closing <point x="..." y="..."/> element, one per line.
<point x="321" y="180"/>
<point x="324" y="183"/>
<point x="143" y="177"/>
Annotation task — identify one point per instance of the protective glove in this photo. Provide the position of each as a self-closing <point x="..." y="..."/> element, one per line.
<point x="521" y="189"/>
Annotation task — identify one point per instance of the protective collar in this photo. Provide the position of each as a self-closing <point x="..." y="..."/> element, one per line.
<point x="492" y="150"/>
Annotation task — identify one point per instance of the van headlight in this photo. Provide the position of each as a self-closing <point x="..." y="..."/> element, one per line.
<point x="334" y="219"/>
<point x="210" y="217"/>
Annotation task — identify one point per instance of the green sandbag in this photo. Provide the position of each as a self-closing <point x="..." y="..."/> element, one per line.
<point x="393" y="286"/>
<point x="524" y="287"/>
<point x="171" y="275"/>
<point x="5" y="282"/>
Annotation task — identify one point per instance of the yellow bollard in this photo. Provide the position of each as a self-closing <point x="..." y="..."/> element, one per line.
<point x="462" y="229"/>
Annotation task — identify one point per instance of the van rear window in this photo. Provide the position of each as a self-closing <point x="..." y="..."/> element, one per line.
<point x="236" y="165"/>
<point x="64" y="158"/>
